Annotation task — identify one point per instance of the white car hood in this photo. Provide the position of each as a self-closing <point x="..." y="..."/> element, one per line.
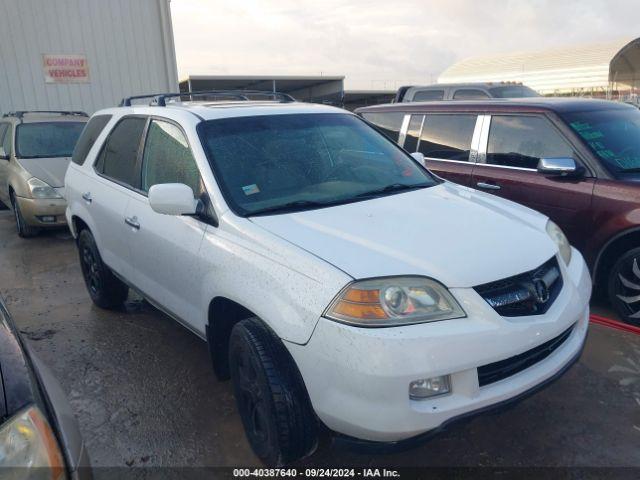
<point x="453" y="234"/>
<point x="50" y="170"/>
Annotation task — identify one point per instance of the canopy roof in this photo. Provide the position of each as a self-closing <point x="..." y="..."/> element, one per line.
<point x="607" y="66"/>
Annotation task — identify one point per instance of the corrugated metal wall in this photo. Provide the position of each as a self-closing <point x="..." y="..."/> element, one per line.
<point x="128" y="45"/>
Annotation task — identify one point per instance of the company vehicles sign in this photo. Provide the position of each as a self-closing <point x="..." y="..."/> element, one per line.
<point x="65" y="68"/>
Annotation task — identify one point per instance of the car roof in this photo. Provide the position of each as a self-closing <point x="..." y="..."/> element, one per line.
<point x="529" y="104"/>
<point x="486" y="85"/>
<point x="225" y="109"/>
<point x="37" y="117"/>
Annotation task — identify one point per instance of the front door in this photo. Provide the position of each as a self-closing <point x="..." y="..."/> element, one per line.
<point x="446" y="141"/>
<point x="164" y="248"/>
<point x="514" y="146"/>
<point x="5" y="144"/>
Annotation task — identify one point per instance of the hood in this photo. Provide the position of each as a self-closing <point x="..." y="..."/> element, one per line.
<point x="453" y="234"/>
<point x="50" y="170"/>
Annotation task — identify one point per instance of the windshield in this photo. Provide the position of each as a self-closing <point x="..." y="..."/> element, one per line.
<point x="47" y="139"/>
<point x="613" y="135"/>
<point x="513" y="91"/>
<point x="280" y="163"/>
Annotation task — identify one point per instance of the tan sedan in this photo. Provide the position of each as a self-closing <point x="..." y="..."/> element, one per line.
<point x="35" y="150"/>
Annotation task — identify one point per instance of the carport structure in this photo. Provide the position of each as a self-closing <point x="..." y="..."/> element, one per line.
<point x="315" y="89"/>
<point x="608" y="70"/>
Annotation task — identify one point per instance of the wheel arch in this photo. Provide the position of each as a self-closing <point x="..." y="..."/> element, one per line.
<point x="222" y="315"/>
<point x="612" y="250"/>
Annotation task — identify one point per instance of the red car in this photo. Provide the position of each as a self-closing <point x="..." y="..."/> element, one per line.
<point x="575" y="160"/>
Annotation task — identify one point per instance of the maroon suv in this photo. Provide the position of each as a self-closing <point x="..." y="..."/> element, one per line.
<point x="575" y="160"/>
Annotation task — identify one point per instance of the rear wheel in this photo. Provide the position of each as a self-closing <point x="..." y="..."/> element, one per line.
<point x="105" y="289"/>
<point x="272" y="400"/>
<point x="24" y="230"/>
<point x="624" y="286"/>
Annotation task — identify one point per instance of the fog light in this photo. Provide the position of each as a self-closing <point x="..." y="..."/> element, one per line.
<point x="47" y="219"/>
<point x="429" y="387"/>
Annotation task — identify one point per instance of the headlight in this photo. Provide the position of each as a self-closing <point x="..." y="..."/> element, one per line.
<point x="26" y="443"/>
<point x="40" y="189"/>
<point x="560" y="239"/>
<point x="394" y="301"/>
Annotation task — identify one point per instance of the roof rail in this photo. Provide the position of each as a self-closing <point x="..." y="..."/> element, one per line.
<point x="22" y="113"/>
<point x="160" y="99"/>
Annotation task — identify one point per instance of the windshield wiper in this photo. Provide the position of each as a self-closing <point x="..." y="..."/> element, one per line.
<point x="394" y="187"/>
<point x="292" y="207"/>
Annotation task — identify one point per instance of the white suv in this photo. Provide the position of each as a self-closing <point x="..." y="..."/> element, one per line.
<point x="335" y="279"/>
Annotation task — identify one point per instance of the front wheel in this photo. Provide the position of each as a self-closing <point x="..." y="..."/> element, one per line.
<point x="271" y="397"/>
<point x="624" y="287"/>
<point x="105" y="289"/>
<point x="24" y="230"/>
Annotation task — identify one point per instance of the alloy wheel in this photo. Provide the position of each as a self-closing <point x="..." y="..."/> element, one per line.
<point x="91" y="270"/>
<point x="627" y="288"/>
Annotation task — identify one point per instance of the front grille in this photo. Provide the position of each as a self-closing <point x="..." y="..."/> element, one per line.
<point x="497" y="371"/>
<point x="530" y="293"/>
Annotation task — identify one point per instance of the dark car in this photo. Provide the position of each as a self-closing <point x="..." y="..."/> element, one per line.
<point x="575" y="160"/>
<point x="463" y="91"/>
<point x="39" y="436"/>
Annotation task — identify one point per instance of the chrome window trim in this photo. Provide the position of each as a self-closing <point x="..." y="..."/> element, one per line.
<point x="508" y="167"/>
<point x="403" y="129"/>
<point x="463" y="162"/>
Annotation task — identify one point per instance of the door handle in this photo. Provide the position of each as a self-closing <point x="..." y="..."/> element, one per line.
<point x="87" y="197"/>
<point x="488" y="186"/>
<point x="132" y="222"/>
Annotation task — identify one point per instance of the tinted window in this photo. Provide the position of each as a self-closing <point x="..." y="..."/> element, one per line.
<point x="469" y="94"/>
<point x="426" y="95"/>
<point x="91" y="132"/>
<point x="272" y="163"/>
<point x="5" y="138"/>
<point x="118" y="157"/>
<point x="168" y="158"/>
<point x="389" y="122"/>
<point x="47" y="139"/>
<point x="513" y="91"/>
<point x="447" y="136"/>
<point x="613" y="135"/>
<point x="413" y="133"/>
<point x="522" y="141"/>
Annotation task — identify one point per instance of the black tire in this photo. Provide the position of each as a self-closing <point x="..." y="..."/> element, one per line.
<point x="105" y="289"/>
<point x="272" y="400"/>
<point x="24" y="230"/>
<point x="624" y="287"/>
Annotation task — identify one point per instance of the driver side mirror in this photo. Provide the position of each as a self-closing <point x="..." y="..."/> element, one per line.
<point x="561" y="167"/>
<point x="419" y="157"/>
<point x="172" y="199"/>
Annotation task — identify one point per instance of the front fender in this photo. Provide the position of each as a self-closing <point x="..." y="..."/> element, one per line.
<point x="282" y="284"/>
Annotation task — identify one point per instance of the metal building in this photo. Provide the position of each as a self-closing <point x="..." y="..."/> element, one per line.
<point x="83" y="54"/>
<point x="317" y="89"/>
<point x="610" y="70"/>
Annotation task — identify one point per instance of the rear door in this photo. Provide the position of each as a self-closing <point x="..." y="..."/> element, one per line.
<point x="165" y="248"/>
<point x="447" y="140"/>
<point x="510" y="149"/>
<point x="107" y="194"/>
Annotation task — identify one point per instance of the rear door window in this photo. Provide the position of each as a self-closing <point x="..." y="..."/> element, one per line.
<point x="447" y="137"/>
<point x="428" y="95"/>
<point x="469" y="94"/>
<point x="168" y="159"/>
<point x="118" y="158"/>
<point x="521" y="141"/>
<point x="88" y="137"/>
<point x="388" y="122"/>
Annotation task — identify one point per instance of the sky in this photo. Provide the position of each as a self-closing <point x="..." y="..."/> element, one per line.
<point x="381" y="44"/>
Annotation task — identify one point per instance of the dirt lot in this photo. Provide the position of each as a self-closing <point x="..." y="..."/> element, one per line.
<point x="145" y="395"/>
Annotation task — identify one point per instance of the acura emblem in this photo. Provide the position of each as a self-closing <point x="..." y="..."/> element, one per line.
<point x="540" y="290"/>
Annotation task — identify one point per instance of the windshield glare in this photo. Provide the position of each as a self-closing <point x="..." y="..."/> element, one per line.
<point x="267" y="162"/>
<point x="613" y="135"/>
<point x="47" y="139"/>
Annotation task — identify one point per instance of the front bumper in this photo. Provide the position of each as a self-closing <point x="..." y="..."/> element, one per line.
<point x="358" y="378"/>
<point x="33" y="209"/>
